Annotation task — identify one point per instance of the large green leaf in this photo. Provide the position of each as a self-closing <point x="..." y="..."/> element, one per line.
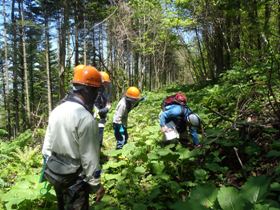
<point x="112" y="164"/>
<point x="261" y="207"/>
<point x="273" y="154"/>
<point x="200" y="175"/>
<point x="205" y="195"/>
<point x="157" y="167"/>
<point x="255" y="189"/>
<point x="275" y="186"/>
<point x="229" y="199"/>
<point x="113" y="153"/>
<point x="153" y="155"/>
<point x="140" y="170"/>
<point x="139" y="206"/>
<point x="187" y="205"/>
<point x="184" y="153"/>
<point x="165" y="151"/>
<point x="113" y="176"/>
<point x="27" y="188"/>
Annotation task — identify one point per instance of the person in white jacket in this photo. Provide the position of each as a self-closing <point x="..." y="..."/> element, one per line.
<point x="129" y="101"/>
<point x="71" y="145"/>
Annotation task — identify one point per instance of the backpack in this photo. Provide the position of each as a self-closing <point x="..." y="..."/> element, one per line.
<point x="178" y="98"/>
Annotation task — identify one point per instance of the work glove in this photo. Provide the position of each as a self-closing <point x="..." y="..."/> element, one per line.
<point x="121" y="129"/>
<point x="103" y="112"/>
<point x="142" y="99"/>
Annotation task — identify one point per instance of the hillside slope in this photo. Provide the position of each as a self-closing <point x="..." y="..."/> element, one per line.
<point x="237" y="167"/>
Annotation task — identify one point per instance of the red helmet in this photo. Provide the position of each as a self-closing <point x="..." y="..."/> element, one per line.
<point x="180" y="98"/>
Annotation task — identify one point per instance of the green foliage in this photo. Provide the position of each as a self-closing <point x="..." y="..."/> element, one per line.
<point x="27" y="157"/>
<point x="255" y="189"/>
<point x="229" y="198"/>
<point x="26" y="191"/>
<point x="205" y="195"/>
<point x="22" y="140"/>
<point x="3" y="133"/>
<point x="145" y="174"/>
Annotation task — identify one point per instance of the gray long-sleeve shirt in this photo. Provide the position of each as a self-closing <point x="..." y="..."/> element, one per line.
<point x="72" y="132"/>
<point x="121" y="113"/>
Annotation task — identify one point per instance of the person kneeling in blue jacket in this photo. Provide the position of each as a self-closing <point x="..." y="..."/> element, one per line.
<point x="183" y="118"/>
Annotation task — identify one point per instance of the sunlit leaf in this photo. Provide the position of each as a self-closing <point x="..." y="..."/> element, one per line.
<point x="255" y="189"/>
<point x="205" y="194"/>
<point x="229" y="199"/>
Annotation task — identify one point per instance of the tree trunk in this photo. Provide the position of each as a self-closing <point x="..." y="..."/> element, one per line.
<point x="93" y="47"/>
<point x="252" y="7"/>
<point x="236" y="29"/>
<point x="100" y="42"/>
<point x="76" y="33"/>
<point x="278" y="23"/>
<point x="202" y="73"/>
<point x="163" y="63"/>
<point x="218" y="49"/>
<point x="85" y="41"/>
<point x="6" y="85"/>
<point x="47" y="56"/>
<point x="25" y="69"/>
<point x="150" y="72"/>
<point x="157" y="73"/>
<point x="15" y="73"/>
<point x="62" y="48"/>
<point x="267" y="15"/>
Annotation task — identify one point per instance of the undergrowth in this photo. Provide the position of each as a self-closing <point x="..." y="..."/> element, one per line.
<point x="237" y="167"/>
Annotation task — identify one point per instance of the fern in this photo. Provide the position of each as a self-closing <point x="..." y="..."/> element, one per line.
<point x="27" y="157"/>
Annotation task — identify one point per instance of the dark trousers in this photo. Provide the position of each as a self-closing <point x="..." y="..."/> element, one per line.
<point x="121" y="136"/>
<point x="71" y="194"/>
<point x="101" y="133"/>
<point x="72" y="200"/>
<point x="101" y="129"/>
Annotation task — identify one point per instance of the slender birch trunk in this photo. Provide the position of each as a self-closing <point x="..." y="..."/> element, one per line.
<point x="47" y="56"/>
<point x="85" y="41"/>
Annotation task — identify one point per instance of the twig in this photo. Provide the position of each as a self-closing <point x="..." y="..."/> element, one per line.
<point x="37" y="126"/>
<point x="239" y="160"/>
<point x="217" y="113"/>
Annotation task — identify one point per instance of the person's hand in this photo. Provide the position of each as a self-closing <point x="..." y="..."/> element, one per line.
<point x="99" y="194"/>
<point x="165" y="129"/>
<point x="108" y="105"/>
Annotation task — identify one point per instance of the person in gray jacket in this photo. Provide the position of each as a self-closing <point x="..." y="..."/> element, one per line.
<point x="125" y="105"/>
<point x="71" y="144"/>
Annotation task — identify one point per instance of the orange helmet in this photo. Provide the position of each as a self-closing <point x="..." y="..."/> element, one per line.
<point x="88" y="76"/>
<point x="133" y="92"/>
<point x="105" y="76"/>
<point x="79" y="67"/>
